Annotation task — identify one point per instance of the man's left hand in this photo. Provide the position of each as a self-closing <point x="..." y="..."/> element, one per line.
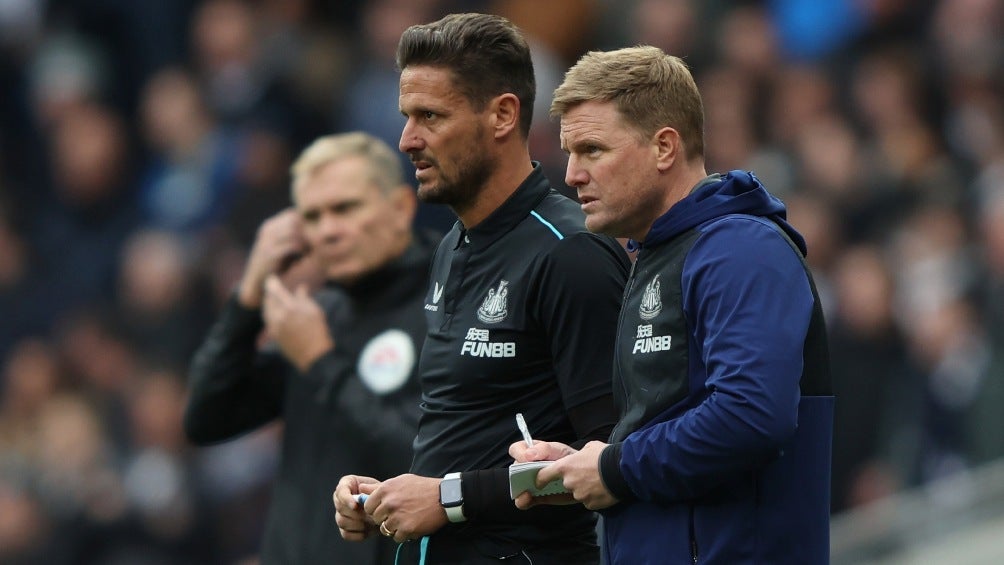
<point x="407" y="506"/>
<point x="580" y="472"/>
<point x="296" y="323"/>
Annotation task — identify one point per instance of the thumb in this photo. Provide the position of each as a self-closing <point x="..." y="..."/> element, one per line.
<point x="524" y="501"/>
<point x="368" y="488"/>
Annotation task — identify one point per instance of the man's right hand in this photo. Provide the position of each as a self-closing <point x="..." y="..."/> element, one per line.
<point x="279" y="238"/>
<point x="541" y="451"/>
<point x="353" y="522"/>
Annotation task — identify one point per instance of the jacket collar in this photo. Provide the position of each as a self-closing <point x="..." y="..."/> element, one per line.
<point x="396" y="278"/>
<point x="513" y="211"/>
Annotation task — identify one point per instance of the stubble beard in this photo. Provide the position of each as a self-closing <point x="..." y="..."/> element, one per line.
<point x="461" y="192"/>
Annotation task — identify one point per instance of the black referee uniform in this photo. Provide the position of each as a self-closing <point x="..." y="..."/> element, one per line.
<point x="354" y="410"/>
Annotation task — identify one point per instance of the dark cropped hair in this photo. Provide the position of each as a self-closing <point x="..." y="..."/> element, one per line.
<point x="487" y="55"/>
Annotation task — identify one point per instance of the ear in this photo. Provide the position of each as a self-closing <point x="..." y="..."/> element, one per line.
<point x="668" y="147"/>
<point x="504" y="114"/>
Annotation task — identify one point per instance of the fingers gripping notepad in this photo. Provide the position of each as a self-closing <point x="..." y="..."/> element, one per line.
<point x="523" y="477"/>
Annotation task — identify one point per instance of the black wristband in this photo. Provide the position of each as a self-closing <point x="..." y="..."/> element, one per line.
<point x="610" y="473"/>
<point x="486" y="494"/>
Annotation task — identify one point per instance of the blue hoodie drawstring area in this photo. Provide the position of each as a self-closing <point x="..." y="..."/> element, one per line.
<point x="737" y="192"/>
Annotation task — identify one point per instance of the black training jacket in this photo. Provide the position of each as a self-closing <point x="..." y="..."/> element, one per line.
<point x="354" y="411"/>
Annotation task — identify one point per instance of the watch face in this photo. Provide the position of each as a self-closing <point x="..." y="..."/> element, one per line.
<point x="450" y="493"/>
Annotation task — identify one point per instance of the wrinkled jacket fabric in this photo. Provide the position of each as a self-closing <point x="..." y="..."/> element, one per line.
<point x="722" y="453"/>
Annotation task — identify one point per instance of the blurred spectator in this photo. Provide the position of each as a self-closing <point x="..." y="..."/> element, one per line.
<point x="801" y="93"/>
<point x="30" y="378"/>
<point x="227" y="56"/>
<point x="968" y="40"/>
<point x="262" y="173"/>
<point x="729" y="100"/>
<point x="31" y="375"/>
<point x="99" y="364"/>
<point x="818" y="223"/>
<point x="990" y="304"/>
<point x="908" y="160"/>
<point x="117" y="27"/>
<point x="67" y="70"/>
<point x="233" y="67"/>
<point x="309" y="56"/>
<point x="23" y="525"/>
<point x="953" y="353"/>
<point x="812" y="29"/>
<point x="159" y="310"/>
<point x="938" y="275"/>
<point x="670" y="25"/>
<point x="23" y="289"/>
<point x="78" y="479"/>
<point x="747" y="41"/>
<point x="874" y="381"/>
<point x="91" y="212"/>
<point x="192" y="177"/>
<point x="159" y="477"/>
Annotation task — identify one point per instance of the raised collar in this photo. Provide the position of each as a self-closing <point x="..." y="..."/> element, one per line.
<point x="394" y="280"/>
<point x="517" y="207"/>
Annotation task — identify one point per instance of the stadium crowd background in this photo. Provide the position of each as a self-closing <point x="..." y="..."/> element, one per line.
<point x="141" y="143"/>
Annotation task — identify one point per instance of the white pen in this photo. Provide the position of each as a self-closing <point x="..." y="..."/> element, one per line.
<point x="521" y="424"/>
<point x="360" y="498"/>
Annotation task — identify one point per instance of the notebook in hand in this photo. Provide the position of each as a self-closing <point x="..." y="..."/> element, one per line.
<point x="523" y="477"/>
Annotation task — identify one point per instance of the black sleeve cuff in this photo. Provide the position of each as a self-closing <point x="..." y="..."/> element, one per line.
<point x="486" y="495"/>
<point x="240" y="321"/>
<point x="610" y="473"/>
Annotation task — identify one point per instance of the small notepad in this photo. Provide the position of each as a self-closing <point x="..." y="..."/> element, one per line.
<point x="523" y="477"/>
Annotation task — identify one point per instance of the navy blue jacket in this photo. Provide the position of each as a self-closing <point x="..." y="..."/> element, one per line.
<point x="722" y="453"/>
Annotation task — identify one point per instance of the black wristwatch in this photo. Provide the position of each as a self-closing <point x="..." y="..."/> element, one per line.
<point x="451" y="496"/>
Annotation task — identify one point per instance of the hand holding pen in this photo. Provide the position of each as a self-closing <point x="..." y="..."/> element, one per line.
<point x="530" y="450"/>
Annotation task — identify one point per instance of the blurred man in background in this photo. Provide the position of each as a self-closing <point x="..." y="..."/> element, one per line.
<point x="338" y="367"/>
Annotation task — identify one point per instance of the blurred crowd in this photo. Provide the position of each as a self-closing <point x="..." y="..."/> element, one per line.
<point x="141" y="144"/>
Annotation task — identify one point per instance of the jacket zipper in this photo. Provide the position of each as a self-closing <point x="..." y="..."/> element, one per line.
<point x="620" y="325"/>
<point x="693" y="538"/>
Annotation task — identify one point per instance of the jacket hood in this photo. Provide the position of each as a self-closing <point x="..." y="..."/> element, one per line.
<point x="737" y="192"/>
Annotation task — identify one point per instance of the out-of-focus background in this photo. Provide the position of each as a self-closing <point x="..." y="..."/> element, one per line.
<point x="141" y="143"/>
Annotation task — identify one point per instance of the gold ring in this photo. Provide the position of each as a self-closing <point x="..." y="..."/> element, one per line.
<point x="384" y="530"/>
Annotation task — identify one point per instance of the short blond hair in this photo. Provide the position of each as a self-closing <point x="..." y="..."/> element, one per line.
<point x="650" y="89"/>
<point x="384" y="165"/>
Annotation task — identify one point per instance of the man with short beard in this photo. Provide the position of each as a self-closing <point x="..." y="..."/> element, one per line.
<point x="521" y="307"/>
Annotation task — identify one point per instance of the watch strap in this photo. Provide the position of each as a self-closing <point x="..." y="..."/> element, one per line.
<point x="454" y="513"/>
